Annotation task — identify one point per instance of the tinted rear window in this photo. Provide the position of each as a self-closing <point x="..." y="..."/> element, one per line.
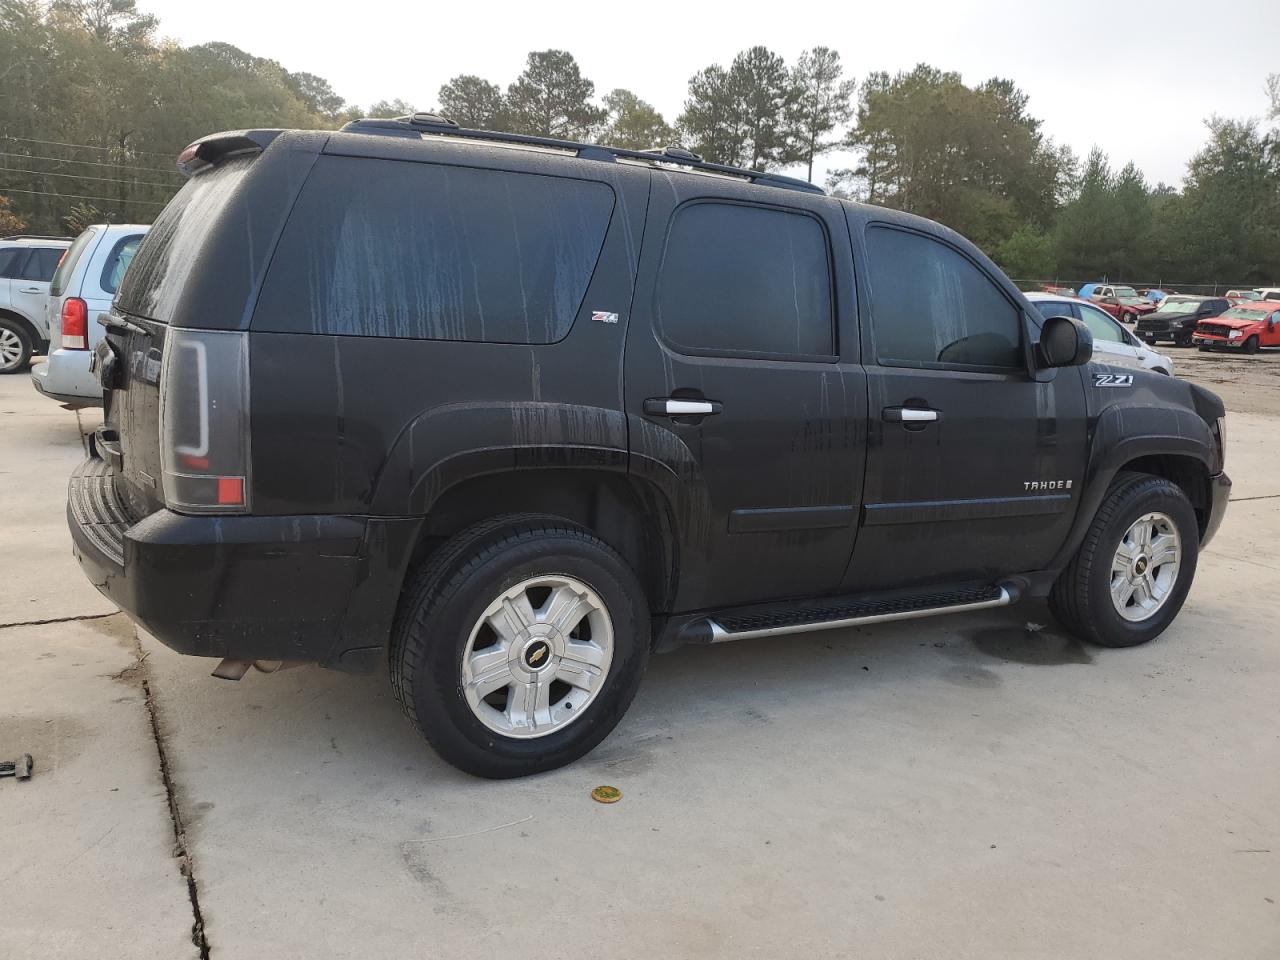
<point x="171" y="248"/>
<point x="744" y="280"/>
<point x="386" y="248"/>
<point x="62" y="276"/>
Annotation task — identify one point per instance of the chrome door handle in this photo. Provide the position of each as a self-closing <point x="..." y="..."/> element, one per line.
<point x="908" y="415"/>
<point x="676" y="407"/>
<point x="29" y="290"/>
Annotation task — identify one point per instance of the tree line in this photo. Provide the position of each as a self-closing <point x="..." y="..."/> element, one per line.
<point x="96" y="107"/>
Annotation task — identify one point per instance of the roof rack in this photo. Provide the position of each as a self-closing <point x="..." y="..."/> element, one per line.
<point x="32" y="236"/>
<point x="420" y="123"/>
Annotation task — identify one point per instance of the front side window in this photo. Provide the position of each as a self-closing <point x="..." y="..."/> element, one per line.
<point x="1101" y="325"/>
<point x="390" y="248"/>
<point x="931" y="305"/>
<point x="743" y="280"/>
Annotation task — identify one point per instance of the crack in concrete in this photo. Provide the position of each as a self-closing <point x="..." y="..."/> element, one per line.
<point x="1265" y="496"/>
<point x="186" y="863"/>
<point x="41" y="623"/>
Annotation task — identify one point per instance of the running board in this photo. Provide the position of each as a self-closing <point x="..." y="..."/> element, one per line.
<point x="801" y="618"/>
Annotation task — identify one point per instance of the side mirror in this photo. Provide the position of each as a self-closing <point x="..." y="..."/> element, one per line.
<point x="1064" y="342"/>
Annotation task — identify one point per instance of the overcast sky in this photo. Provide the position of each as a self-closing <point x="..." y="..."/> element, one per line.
<point x="1136" y="78"/>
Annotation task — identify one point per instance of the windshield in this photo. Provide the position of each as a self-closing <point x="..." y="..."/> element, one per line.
<point x="1243" y="313"/>
<point x="1245" y="294"/>
<point x="1127" y="293"/>
<point x="1178" y="306"/>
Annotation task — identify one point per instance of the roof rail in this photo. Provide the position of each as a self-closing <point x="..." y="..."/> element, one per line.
<point x="32" y="236"/>
<point x="420" y="123"/>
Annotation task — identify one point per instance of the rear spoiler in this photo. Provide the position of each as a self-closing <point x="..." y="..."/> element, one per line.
<point x="213" y="149"/>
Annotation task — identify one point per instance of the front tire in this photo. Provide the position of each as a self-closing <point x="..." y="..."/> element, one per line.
<point x="520" y="644"/>
<point x="1251" y="345"/>
<point x="1132" y="573"/>
<point x="15" y="346"/>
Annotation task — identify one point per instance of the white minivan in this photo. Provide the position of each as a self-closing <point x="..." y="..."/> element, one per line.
<point x="83" y="286"/>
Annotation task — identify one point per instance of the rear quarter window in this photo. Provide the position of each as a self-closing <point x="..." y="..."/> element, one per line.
<point x="62" y="276"/>
<point x="388" y="248"/>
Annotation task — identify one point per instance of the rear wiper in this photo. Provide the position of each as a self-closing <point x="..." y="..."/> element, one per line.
<point x="121" y="325"/>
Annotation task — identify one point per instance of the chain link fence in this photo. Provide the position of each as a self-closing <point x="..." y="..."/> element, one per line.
<point x="1195" y="289"/>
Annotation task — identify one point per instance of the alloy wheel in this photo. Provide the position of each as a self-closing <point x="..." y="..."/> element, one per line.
<point x="1145" y="567"/>
<point x="537" y="657"/>
<point x="10" y="349"/>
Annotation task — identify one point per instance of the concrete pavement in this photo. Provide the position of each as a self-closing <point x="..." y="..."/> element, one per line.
<point x="963" y="787"/>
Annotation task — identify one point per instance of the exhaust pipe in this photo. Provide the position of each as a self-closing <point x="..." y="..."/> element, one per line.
<point x="230" y="669"/>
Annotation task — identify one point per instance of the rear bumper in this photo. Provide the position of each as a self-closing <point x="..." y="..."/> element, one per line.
<point x="314" y="588"/>
<point x="1220" y="494"/>
<point x="65" y="377"/>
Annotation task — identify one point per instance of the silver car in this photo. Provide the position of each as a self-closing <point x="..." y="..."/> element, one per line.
<point x="1112" y="343"/>
<point x="82" y="287"/>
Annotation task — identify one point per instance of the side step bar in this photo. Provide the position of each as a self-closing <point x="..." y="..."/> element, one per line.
<point x="845" y="613"/>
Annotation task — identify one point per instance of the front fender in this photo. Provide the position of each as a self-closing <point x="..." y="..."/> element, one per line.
<point x="1125" y="432"/>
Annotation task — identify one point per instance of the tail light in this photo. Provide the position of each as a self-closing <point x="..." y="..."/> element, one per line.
<point x="75" y="324"/>
<point x="204" y="421"/>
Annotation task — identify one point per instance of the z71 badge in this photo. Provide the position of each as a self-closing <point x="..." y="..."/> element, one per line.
<point x="1113" y="379"/>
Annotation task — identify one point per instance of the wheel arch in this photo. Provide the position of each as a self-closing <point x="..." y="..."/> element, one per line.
<point x="628" y="513"/>
<point x="1170" y="442"/>
<point x="27" y="325"/>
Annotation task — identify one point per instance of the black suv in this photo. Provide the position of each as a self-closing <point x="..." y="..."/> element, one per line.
<point x="508" y="414"/>
<point x="1176" y="318"/>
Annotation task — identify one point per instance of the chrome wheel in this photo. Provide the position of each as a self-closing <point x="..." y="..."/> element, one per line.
<point x="537" y="657"/>
<point x="10" y="349"/>
<point x="1145" y="567"/>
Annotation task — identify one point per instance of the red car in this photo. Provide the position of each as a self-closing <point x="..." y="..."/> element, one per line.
<point x="1123" y="303"/>
<point x="1246" y="326"/>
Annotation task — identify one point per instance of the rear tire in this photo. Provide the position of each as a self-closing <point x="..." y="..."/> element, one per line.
<point x="453" y="640"/>
<point x="1096" y="599"/>
<point x="15" y="346"/>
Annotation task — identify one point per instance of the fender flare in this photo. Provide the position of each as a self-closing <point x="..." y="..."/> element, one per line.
<point x="1124" y="433"/>
<point x="454" y="442"/>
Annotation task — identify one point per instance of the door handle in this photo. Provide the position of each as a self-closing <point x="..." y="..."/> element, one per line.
<point x="678" y="407"/>
<point x="29" y="290"/>
<point x="908" y="415"/>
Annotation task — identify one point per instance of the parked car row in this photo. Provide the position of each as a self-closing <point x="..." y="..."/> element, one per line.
<point x="1243" y="319"/>
<point x="52" y="290"/>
